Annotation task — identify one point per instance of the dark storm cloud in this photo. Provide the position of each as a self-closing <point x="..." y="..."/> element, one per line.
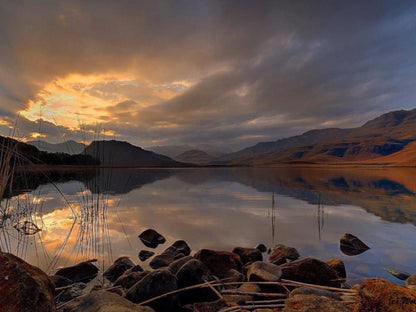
<point x="262" y="70"/>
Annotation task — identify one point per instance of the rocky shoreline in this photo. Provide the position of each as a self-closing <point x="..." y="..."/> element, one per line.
<point x="209" y="280"/>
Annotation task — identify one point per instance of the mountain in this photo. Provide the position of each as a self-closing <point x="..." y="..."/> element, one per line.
<point x="197" y="157"/>
<point x="174" y="150"/>
<point x="120" y="153"/>
<point x="69" y="147"/>
<point x="382" y="136"/>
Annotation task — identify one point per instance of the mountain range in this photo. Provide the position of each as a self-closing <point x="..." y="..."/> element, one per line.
<point x="69" y="147"/>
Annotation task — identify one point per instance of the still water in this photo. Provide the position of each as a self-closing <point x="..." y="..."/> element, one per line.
<point x="100" y="214"/>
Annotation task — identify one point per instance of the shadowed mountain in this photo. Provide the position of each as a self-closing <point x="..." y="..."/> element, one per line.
<point x="385" y="135"/>
<point x="69" y="147"/>
<point x="119" y="153"/>
<point x="194" y="157"/>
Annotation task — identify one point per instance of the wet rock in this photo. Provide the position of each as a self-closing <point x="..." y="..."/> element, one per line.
<point x="60" y="281"/>
<point x="145" y="254"/>
<point x="311" y="303"/>
<point x="338" y="266"/>
<point x="381" y="295"/>
<point x="314" y="291"/>
<point x="163" y="260"/>
<point x="277" y="258"/>
<point x="178" y="247"/>
<point x="213" y="306"/>
<point x="351" y="245"/>
<point x="81" y="272"/>
<point x="234" y="276"/>
<point x="261" y="247"/>
<point x="289" y="252"/>
<point x="150" y="238"/>
<point x="75" y="291"/>
<point x="398" y="274"/>
<point x="154" y="284"/>
<point x="312" y="271"/>
<point x="263" y="272"/>
<point x="24" y="287"/>
<point x="136" y="268"/>
<point x="103" y="301"/>
<point x="128" y="279"/>
<point x="117" y="269"/>
<point x="411" y="280"/>
<point x="248" y="254"/>
<point x="219" y="262"/>
<point x="177" y="264"/>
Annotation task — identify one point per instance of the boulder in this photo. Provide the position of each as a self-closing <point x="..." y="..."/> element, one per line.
<point x="23" y="287"/>
<point x="381" y="295"/>
<point x="263" y="272"/>
<point x="128" y="279"/>
<point x="261" y="247"/>
<point x="311" y="271"/>
<point x="314" y="303"/>
<point x="117" y="269"/>
<point x="248" y="254"/>
<point x="177" y="264"/>
<point x="145" y="254"/>
<point x="411" y="280"/>
<point x="277" y="257"/>
<point x="103" y="301"/>
<point x="249" y="288"/>
<point x="234" y="276"/>
<point x="154" y="284"/>
<point x="289" y="252"/>
<point x="351" y="245"/>
<point x="60" y="281"/>
<point x="150" y="238"/>
<point x="219" y="262"/>
<point x="75" y="291"/>
<point x="163" y="260"/>
<point x="81" y="272"/>
<point x="401" y="275"/>
<point x="178" y="247"/>
<point x="314" y="291"/>
<point x="338" y="266"/>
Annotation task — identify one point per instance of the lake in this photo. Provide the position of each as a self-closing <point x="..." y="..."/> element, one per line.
<point x="76" y="216"/>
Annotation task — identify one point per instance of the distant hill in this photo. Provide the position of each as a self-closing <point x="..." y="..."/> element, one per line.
<point x="382" y="136"/>
<point x="174" y="150"/>
<point x="69" y="147"/>
<point x="195" y="157"/>
<point x="120" y="153"/>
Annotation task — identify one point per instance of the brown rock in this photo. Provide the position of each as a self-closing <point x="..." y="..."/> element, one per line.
<point x="117" y="269"/>
<point x="219" y="262"/>
<point x="313" y="303"/>
<point x="263" y="272"/>
<point x="178" y="247"/>
<point x="151" y="238"/>
<point x="81" y="272"/>
<point x="277" y="257"/>
<point x="234" y="276"/>
<point x="411" y="280"/>
<point x="163" y="260"/>
<point x="289" y="252"/>
<point x="351" y="245"/>
<point x="23" y="287"/>
<point x="312" y="271"/>
<point x="177" y="264"/>
<point x="60" y="281"/>
<point x="128" y="279"/>
<point x="249" y="288"/>
<point x="338" y="266"/>
<point x="381" y="295"/>
<point x="248" y="254"/>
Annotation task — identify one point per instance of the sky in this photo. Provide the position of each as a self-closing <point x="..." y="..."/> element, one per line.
<point x="227" y="74"/>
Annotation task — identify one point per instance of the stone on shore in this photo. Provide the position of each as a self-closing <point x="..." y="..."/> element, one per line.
<point x="314" y="291"/>
<point x="339" y="267"/>
<point x="24" y="287"/>
<point x="248" y="254"/>
<point x="154" y="284"/>
<point x="311" y="271"/>
<point x="178" y="247"/>
<point x="81" y="272"/>
<point x="314" y="303"/>
<point x="74" y="291"/>
<point x="128" y="279"/>
<point x="219" y="262"/>
<point x="277" y="257"/>
<point x="351" y="245"/>
<point x="177" y="264"/>
<point x="117" y="269"/>
<point x="60" y="281"/>
<point x="145" y="254"/>
<point x="411" y="281"/>
<point x="150" y="238"/>
<point x="289" y="252"/>
<point x="260" y="271"/>
<point x="164" y="260"/>
<point x="261" y="247"/>
<point x="104" y="301"/>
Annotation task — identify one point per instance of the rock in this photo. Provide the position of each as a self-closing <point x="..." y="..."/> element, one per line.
<point x="261" y="247"/>
<point x="219" y="262"/>
<point x="263" y="272"/>
<point x="75" y="291"/>
<point x="150" y="238"/>
<point x="289" y="252"/>
<point x="136" y="268"/>
<point x="117" y="269"/>
<point x="178" y="247"/>
<point x="381" y="295"/>
<point x="399" y="274"/>
<point x="351" y="245"/>
<point x="213" y="306"/>
<point x="250" y="288"/>
<point x="277" y="257"/>
<point x="145" y="254"/>
<point x="60" y="281"/>
<point x="154" y="284"/>
<point x="338" y="266"/>
<point x="411" y="280"/>
<point x="23" y="287"/>
<point x="314" y="291"/>
<point x="103" y="301"/>
<point x="81" y="272"/>
<point x="311" y="271"/>
<point x="128" y="279"/>
<point x="248" y="254"/>
<point x="163" y="260"/>
<point x="177" y="264"/>
<point x="234" y="276"/>
<point x="313" y="303"/>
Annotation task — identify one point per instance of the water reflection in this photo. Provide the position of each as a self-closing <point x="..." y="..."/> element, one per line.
<point x="101" y="214"/>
